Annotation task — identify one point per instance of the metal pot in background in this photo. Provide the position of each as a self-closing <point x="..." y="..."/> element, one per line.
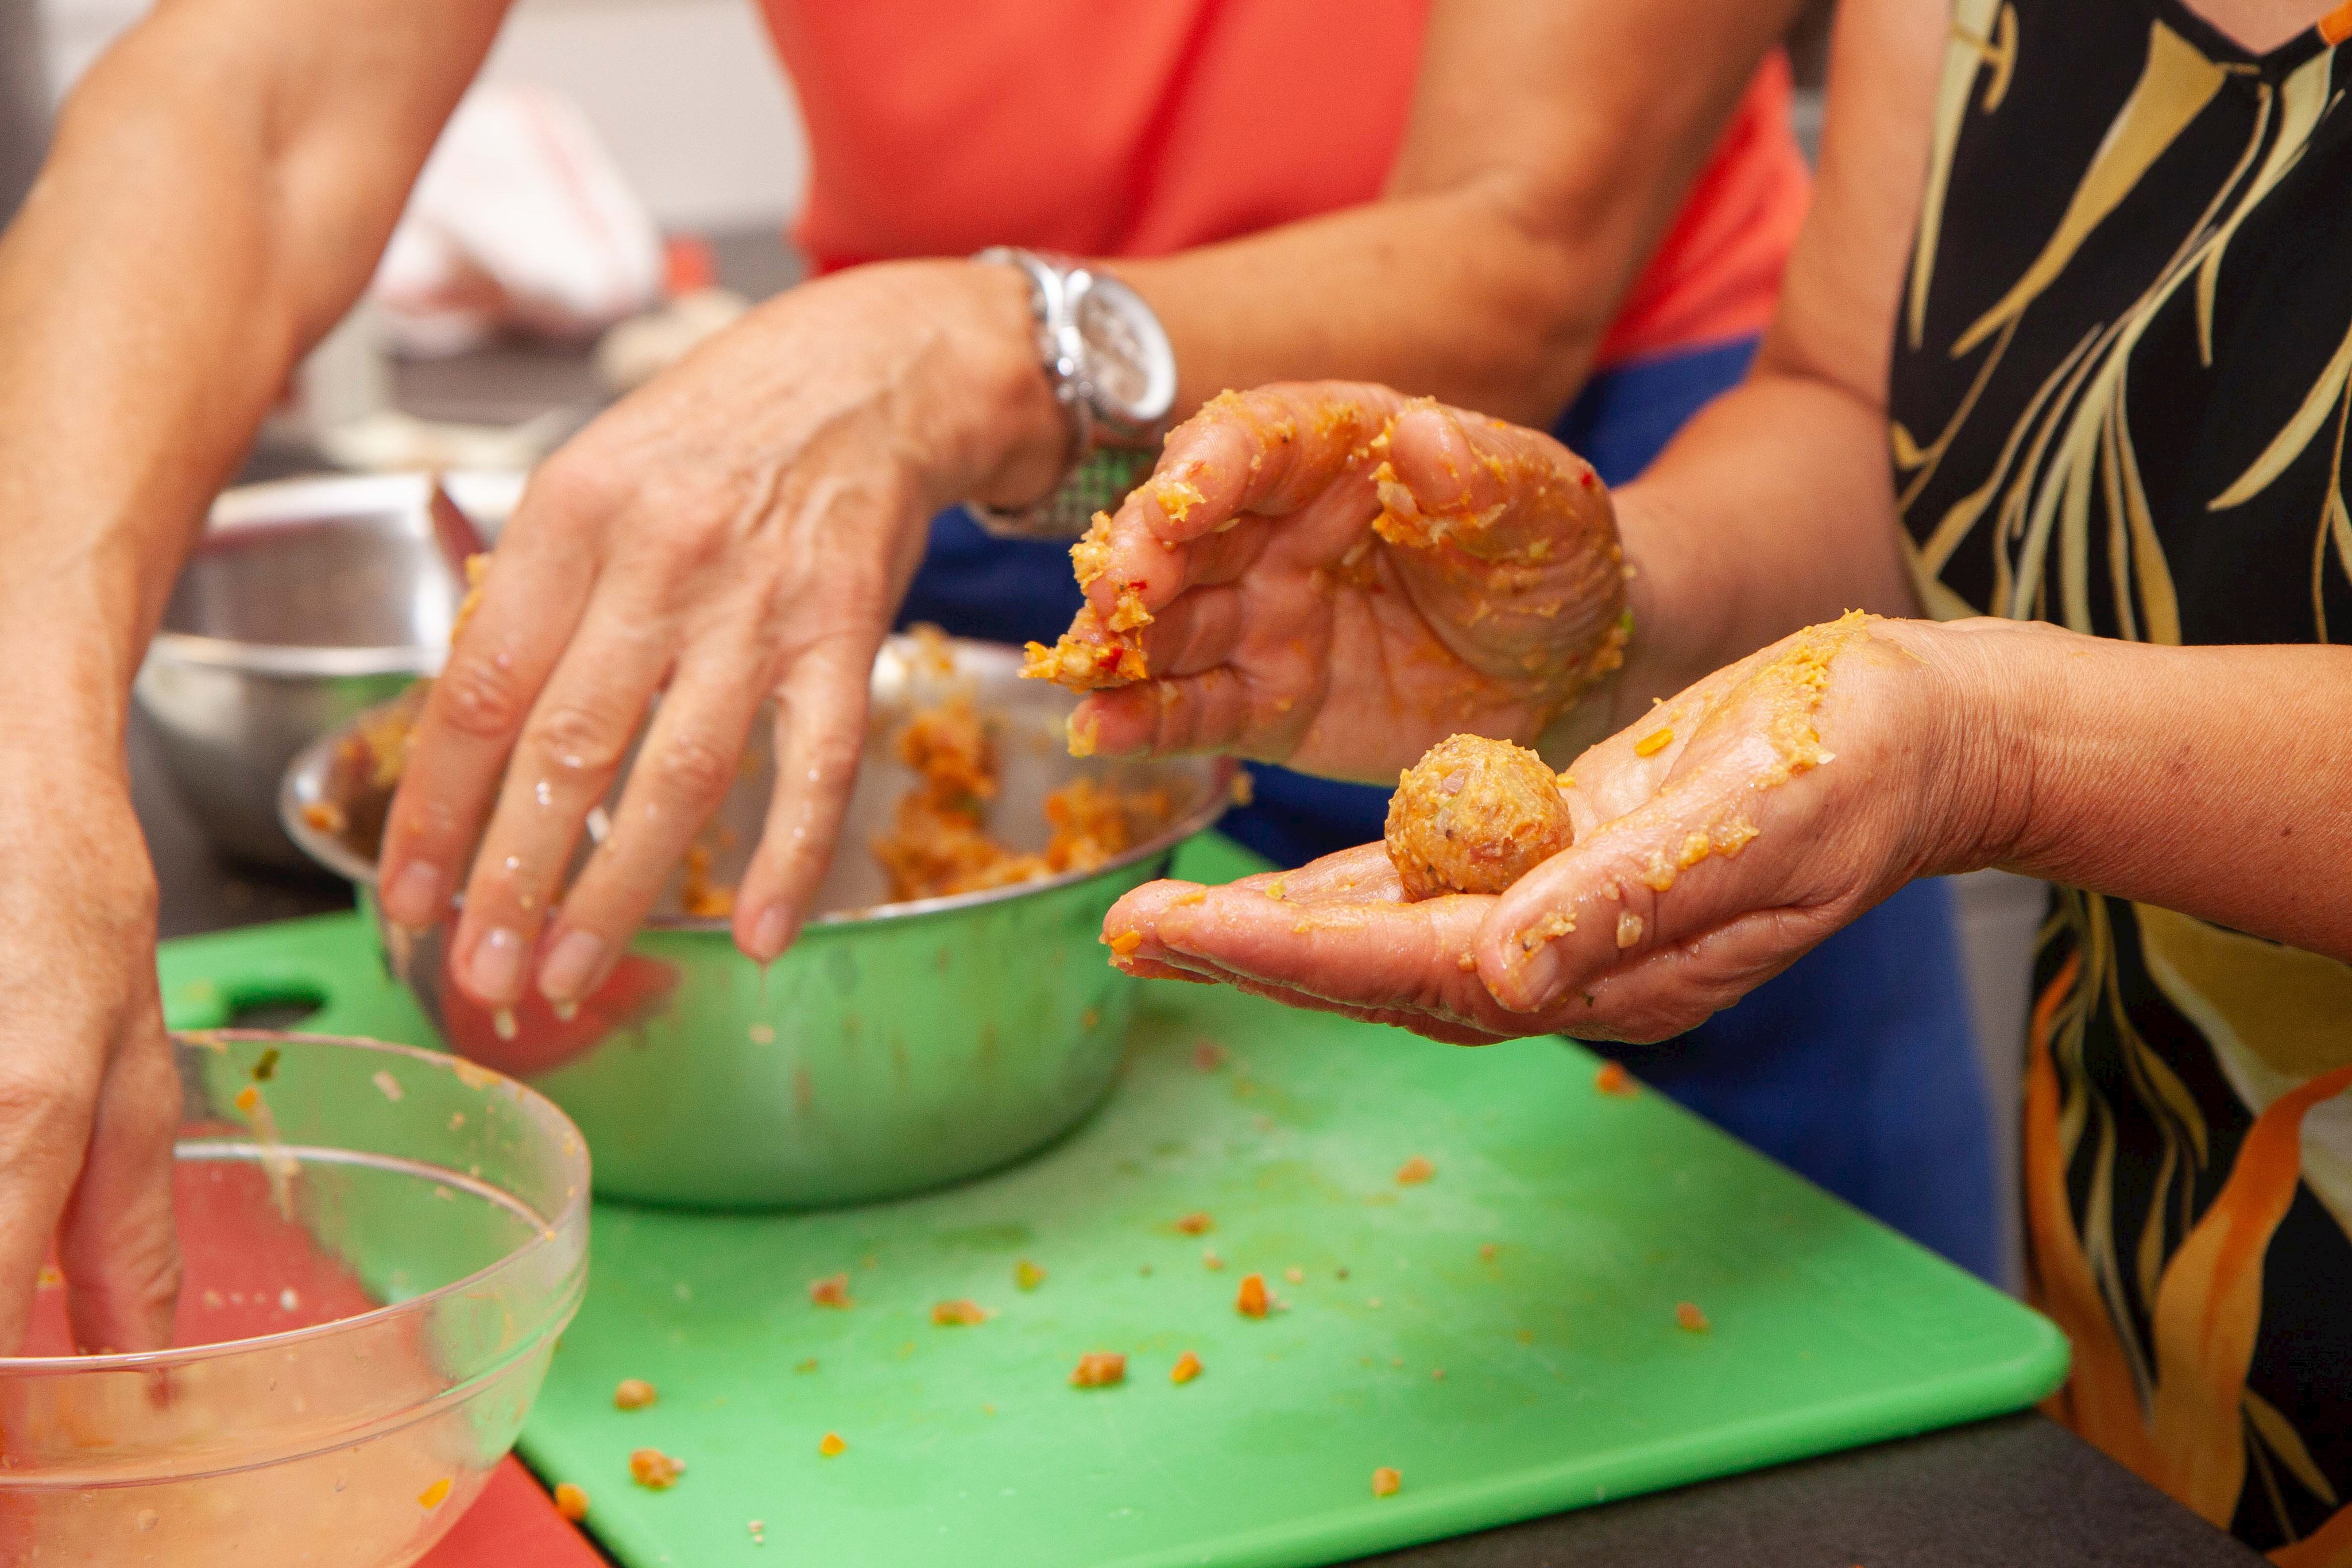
<point x="895" y="1047"/>
<point x="306" y="601"/>
<point x="24" y="102"/>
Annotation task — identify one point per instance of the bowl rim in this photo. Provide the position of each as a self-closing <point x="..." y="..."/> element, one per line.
<point x="311" y="763"/>
<point x="572" y="1214"/>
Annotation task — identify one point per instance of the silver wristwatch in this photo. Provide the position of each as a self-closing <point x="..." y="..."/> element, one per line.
<point x="1114" y="374"/>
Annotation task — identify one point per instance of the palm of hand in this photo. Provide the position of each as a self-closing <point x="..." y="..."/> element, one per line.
<point x="1718" y="839"/>
<point x="1337" y="578"/>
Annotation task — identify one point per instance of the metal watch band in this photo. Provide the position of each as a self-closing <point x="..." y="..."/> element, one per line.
<point x="1094" y="478"/>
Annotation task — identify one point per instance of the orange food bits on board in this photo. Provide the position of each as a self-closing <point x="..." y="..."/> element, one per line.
<point x="831" y="1444"/>
<point x="1196" y="1224"/>
<point x="1099" y="1369"/>
<point x="1613" y="1078"/>
<point x="1414" y="1171"/>
<point x="1250" y="1300"/>
<point x="654" y="1470"/>
<point x="833" y="1291"/>
<point x="959" y="1313"/>
<point x="1689" y="1318"/>
<point x="571" y="1502"/>
<point x="633" y="1394"/>
<point x="1186" y="1367"/>
<point x="1386" y="1482"/>
<point x="1027" y="1275"/>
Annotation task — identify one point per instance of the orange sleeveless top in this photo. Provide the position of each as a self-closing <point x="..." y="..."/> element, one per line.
<point x="1156" y="125"/>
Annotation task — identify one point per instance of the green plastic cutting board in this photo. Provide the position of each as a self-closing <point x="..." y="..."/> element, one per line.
<point x="1504" y="1335"/>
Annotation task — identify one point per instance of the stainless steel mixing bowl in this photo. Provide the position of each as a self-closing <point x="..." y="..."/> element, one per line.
<point x="895" y="1047"/>
<point x="305" y="601"/>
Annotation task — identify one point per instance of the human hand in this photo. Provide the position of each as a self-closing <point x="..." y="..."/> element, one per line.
<point x="89" y="1102"/>
<point x="1790" y="792"/>
<point x="1335" y="577"/>
<point x="742" y="529"/>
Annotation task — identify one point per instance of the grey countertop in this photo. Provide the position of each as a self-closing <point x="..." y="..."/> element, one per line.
<point x="1993" y="1495"/>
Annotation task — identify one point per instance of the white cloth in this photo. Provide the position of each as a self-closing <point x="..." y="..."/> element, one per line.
<point x="520" y="219"/>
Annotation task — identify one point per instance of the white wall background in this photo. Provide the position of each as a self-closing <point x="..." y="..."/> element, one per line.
<point x="687" y="93"/>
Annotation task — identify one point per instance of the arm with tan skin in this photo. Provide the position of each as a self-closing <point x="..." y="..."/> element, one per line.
<point x="218" y="189"/>
<point x="745" y="526"/>
<point x="1723" y="833"/>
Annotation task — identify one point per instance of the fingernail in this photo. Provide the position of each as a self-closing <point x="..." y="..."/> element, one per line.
<point x="496" y="969"/>
<point x="570" y="964"/>
<point x="771" y="935"/>
<point x="408" y="898"/>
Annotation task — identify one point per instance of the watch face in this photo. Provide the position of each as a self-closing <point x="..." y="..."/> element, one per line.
<point x="1129" y="361"/>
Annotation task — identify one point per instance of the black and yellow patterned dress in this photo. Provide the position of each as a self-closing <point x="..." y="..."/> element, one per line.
<point x="2121" y="381"/>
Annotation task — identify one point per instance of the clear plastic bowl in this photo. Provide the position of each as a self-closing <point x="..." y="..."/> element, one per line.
<point x="382" y="1245"/>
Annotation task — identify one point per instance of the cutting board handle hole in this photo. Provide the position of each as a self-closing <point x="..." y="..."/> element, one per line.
<point x="273" y="1004"/>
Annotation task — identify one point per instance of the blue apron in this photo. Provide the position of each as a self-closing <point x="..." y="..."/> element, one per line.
<point x="1856" y="1067"/>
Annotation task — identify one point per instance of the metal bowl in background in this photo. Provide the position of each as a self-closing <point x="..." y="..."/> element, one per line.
<point x="895" y="1047"/>
<point x="305" y="601"/>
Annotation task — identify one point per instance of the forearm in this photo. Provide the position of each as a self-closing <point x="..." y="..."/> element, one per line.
<point x="1771" y="511"/>
<point x="202" y="219"/>
<point x="1495" y="317"/>
<point x="2214" y="781"/>
<point x="1550" y="144"/>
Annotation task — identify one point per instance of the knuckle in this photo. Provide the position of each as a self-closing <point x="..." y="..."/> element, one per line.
<point x="480" y="698"/>
<point x="579" y="741"/>
<point x="45" y="1113"/>
<point x="691" y="767"/>
<point x="575" y="482"/>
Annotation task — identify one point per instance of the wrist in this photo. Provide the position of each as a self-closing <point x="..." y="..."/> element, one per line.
<point x="1982" y="711"/>
<point x="1022" y="443"/>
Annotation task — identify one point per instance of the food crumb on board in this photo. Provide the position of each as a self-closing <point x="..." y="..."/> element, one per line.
<point x="1209" y="1260"/>
<point x="433" y="1496"/>
<point x="247" y="1098"/>
<point x="633" y="1394"/>
<point x="1486" y="1251"/>
<point x="758" y="1530"/>
<point x="833" y="1291"/>
<point x="571" y="1500"/>
<point x="388" y="1086"/>
<point x="1340" y="1272"/>
<point x="1437" y="1375"/>
<point x="654" y="1470"/>
<point x="1250" y="1299"/>
<point x="831" y="1444"/>
<point x="959" y="1313"/>
<point x="808" y="1366"/>
<point x="1613" y="1078"/>
<point x="1414" y="1171"/>
<point x="1386" y="1482"/>
<point x="1689" y="1318"/>
<point x="1196" y="1224"/>
<point x="760" y="1034"/>
<point x="1208" y="1056"/>
<point x="1144" y="1269"/>
<point x="1295" y="1274"/>
<point x="1027" y="1276"/>
<point x="1099" y="1369"/>
<point x="1186" y="1367"/>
